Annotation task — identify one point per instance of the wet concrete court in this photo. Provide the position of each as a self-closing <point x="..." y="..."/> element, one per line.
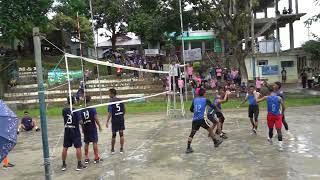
<point x="155" y="149"/>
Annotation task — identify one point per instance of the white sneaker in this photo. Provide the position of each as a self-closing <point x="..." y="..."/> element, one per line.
<point x="280" y="146"/>
<point x="270" y="140"/>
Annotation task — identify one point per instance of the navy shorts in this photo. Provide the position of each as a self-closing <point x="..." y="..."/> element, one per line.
<point x="28" y="128"/>
<point x="70" y="140"/>
<point x="118" y="125"/>
<point x="212" y="117"/>
<point x="253" y="112"/>
<point x="196" y="124"/>
<point x="90" y="136"/>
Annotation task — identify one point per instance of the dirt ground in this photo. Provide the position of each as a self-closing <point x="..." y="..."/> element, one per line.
<point x="155" y="149"/>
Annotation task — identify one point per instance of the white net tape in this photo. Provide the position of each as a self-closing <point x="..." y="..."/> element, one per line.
<point x="111" y="65"/>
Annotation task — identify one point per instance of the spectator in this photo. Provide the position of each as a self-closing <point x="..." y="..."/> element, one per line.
<point x="190" y="70"/>
<point x="27" y="124"/>
<point x="160" y="65"/>
<point x="174" y="72"/>
<point x="284" y="11"/>
<point x="284" y="75"/>
<point x="219" y="73"/>
<point x="310" y="79"/>
<point x="259" y="84"/>
<point x="304" y="78"/>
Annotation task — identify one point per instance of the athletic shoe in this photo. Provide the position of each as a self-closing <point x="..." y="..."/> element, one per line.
<point x="64" y="167"/>
<point x="270" y="140"/>
<point x="254" y="130"/>
<point x="112" y="151"/>
<point x="223" y="136"/>
<point x="96" y="161"/>
<point x="81" y="167"/>
<point x="189" y="150"/>
<point x="8" y="166"/>
<point x="121" y="150"/>
<point x="217" y="142"/>
<point x="18" y="132"/>
<point x="87" y="161"/>
<point x="38" y="129"/>
<point x="280" y="146"/>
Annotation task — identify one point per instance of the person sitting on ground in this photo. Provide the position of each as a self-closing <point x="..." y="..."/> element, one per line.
<point x="27" y="123"/>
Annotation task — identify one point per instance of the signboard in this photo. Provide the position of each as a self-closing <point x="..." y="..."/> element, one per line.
<point x="27" y="72"/>
<point x="60" y="76"/>
<point x="151" y="52"/>
<point x="192" y="55"/>
<point x="270" y="70"/>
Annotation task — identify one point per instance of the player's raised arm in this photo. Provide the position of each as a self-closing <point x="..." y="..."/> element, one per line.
<point x="225" y="99"/>
<point x="261" y="99"/>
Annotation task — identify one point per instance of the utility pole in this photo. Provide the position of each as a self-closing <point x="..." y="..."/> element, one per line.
<point x="182" y="53"/>
<point x="253" y="44"/>
<point x="42" y="103"/>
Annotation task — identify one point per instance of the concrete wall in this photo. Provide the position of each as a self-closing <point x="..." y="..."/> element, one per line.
<point x="273" y="59"/>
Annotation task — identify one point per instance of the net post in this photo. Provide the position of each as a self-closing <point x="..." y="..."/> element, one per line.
<point x="69" y="84"/>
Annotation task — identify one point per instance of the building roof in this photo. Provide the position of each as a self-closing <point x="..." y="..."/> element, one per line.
<point x="122" y="41"/>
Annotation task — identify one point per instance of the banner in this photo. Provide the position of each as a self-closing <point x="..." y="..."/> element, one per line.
<point x="270" y="70"/>
<point x="60" y="76"/>
<point x="151" y="52"/>
<point x="192" y="55"/>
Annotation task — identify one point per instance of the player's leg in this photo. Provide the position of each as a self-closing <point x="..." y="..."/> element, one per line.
<point x="217" y="141"/>
<point x="278" y="125"/>
<point x="34" y="126"/>
<point x="256" y="118"/>
<point x="96" y="153"/>
<point x="113" y="141"/>
<point x="77" y="144"/>
<point x="194" y="129"/>
<point x="121" y="141"/>
<point x="64" y="158"/>
<point x="221" y="120"/>
<point x="86" y="153"/>
<point x="21" y="128"/>
<point x="284" y="122"/>
<point x="270" y="122"/>
<point x="250" y="115"/>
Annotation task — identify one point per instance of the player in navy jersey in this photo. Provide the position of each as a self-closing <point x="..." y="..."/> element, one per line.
<point x="90" y="123"/>
<point x="221" y="97"/>
<point x="116" y="114"/>
<point x="274" y="117"/>
<point x="72" y="135"/>
<point x="253" y="110"/>
<point x="198" y="108"/>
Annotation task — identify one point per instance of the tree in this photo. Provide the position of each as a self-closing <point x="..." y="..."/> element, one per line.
<point x="17" y="18"/>
<point x="313" y="19"/>
<point x="111" y="15"/>
<point x="231" y="20"/>
<point x="313" y="49"/>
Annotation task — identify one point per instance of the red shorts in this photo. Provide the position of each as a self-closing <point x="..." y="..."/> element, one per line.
<point x="274" y="120"/>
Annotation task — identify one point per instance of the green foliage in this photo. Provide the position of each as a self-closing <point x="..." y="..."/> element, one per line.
<point x="17" y="18"/>
<point x="71" y="7"/>
<point x="313" y="48"/>
<point x="314" y="19"/>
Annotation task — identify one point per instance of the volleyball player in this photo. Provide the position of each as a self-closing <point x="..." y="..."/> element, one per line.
<point x="116" y="113"/>
<point x="198" y="108"/>
<point x="90" y="123"/>
<point x="220" y="98"/>
<point x="253" y="110"/>
<point x="72" y="135"/>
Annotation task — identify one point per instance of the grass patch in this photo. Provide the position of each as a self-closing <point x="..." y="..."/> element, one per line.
<point x="160" y="106"/>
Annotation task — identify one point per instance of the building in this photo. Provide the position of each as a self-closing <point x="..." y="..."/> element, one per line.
<point x="123" y="41"/>
<point x="267" y="60"/>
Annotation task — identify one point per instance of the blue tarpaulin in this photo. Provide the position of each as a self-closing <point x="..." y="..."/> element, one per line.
<point x="8" y="130"/>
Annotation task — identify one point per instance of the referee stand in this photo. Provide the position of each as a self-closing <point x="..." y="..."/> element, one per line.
<point x="172" y="108"/>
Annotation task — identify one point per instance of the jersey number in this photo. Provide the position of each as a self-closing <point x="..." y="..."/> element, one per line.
<point x="86" y="115"/>
<point x="118" y="107"/>
<point x="69" y="121"/>
<point x="198" y="108"/>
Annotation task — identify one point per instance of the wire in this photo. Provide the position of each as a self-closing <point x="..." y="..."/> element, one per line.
<point x="53" y="45"/>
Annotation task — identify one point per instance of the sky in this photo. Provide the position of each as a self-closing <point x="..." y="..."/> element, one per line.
<point x="300" y="31"/>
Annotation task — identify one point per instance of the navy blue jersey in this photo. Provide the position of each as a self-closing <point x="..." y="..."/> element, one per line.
<point x="117" y="110"/>
<point x="27" y="122"/>
<point x="89" y="120"/>
<point x="198" y="107"/>
<point x="71" y="122"/>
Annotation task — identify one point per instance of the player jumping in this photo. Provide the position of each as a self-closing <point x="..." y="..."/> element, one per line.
<point x="72" y="136"/>
<point x="90" y="123"/>
<point x="116" y="114"/>
<point x="198" y="107"/>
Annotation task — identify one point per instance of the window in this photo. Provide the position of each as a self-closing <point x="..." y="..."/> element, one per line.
<point x="262" y="62"/>
<point x="287" y="63"/>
